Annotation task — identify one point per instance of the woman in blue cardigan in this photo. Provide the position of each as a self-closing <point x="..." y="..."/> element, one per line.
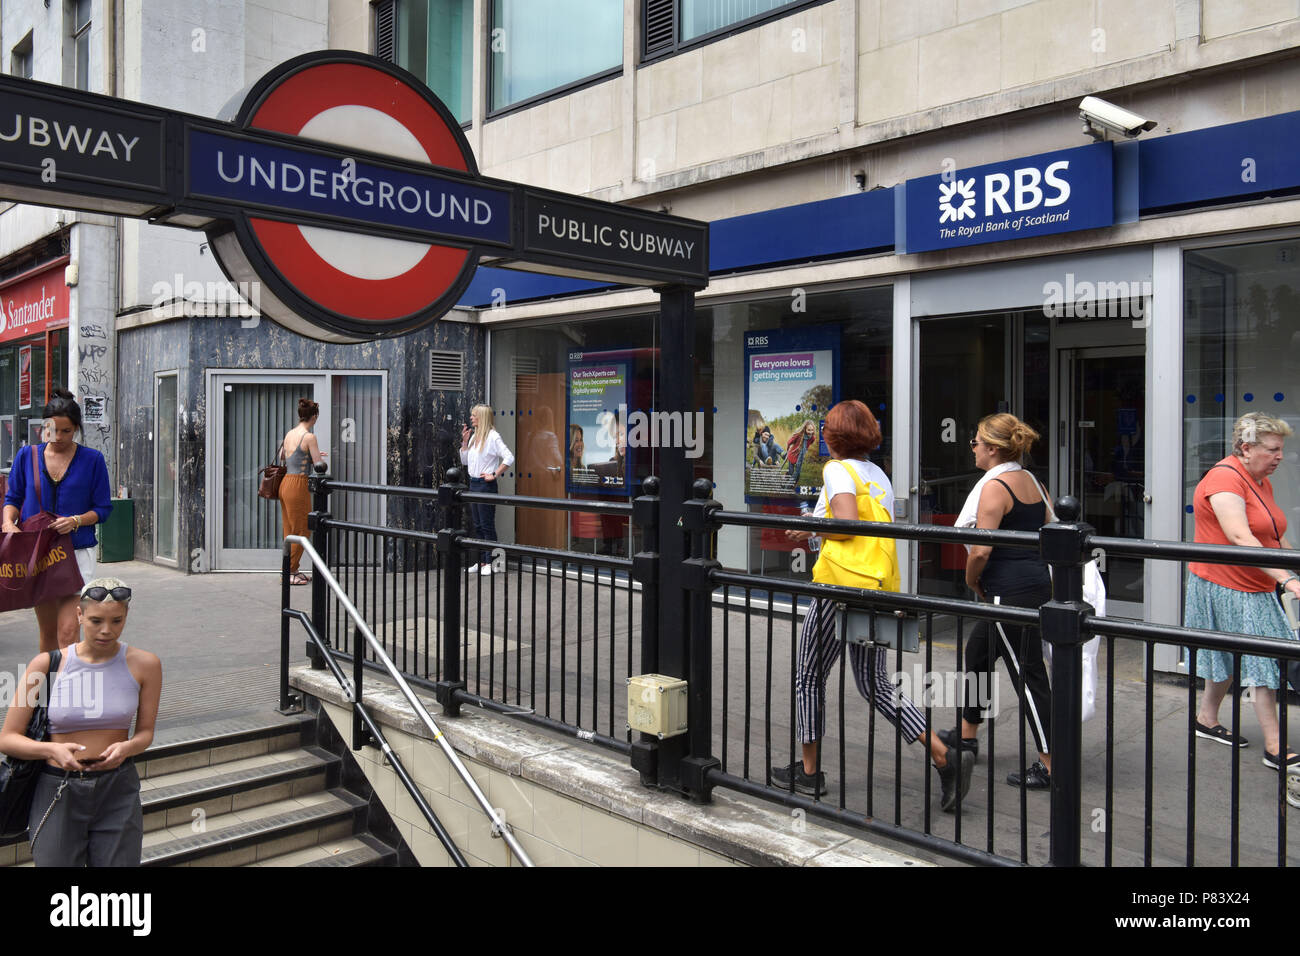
<point x="74" y="486"/>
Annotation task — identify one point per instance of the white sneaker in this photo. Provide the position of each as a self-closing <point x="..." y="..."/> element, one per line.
<point x="1293" y="789"/>
<point x="487" y="569"/>
<point x="473" y="569"/>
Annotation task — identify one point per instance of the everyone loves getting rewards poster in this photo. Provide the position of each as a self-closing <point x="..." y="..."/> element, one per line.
<point x="791" y="381"/>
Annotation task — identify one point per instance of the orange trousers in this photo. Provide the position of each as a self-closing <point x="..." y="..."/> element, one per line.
<point x="295" y="502"/>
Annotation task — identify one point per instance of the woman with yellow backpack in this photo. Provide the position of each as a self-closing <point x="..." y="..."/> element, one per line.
<point x="853" y="487"/>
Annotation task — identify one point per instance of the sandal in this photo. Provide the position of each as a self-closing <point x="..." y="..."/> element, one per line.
<point x="1221" y="734"/>
<point x="1292" y="761"/>
<point x="299" y="578"/>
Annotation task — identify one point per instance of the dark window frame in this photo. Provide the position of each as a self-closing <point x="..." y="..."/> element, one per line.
<point x="393" y="8"/>
<point x="22" y="59"/>
<point x="554" y="93"/>
<point x="79" y="38"/>
<point x="740" y="26"/>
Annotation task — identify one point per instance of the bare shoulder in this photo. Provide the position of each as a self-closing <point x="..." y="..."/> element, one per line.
<point x="142" y="663"/>
<point x="995" y="493"/>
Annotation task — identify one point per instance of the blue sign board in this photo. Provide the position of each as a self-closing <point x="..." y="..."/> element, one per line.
<point x="1238" y="161"/>
<point x="296" y="180"/>
<point x="1061" y="191"/>
<point x="792" y="379"/>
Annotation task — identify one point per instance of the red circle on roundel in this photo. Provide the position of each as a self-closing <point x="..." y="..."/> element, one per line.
<point x="287" y="108"/>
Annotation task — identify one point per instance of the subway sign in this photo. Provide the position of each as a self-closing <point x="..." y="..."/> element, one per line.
<point x="339" y="185"/>
<point x="1062" y="191"/>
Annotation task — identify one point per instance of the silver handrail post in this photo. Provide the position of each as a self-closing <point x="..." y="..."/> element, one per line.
<point x="498" y="823"/>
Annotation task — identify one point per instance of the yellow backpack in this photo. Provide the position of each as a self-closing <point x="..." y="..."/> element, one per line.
<point x="861" y="562"/>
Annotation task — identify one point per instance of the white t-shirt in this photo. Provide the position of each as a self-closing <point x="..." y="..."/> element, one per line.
<point x="491" y="456"/>
<point x="837" y="481"/>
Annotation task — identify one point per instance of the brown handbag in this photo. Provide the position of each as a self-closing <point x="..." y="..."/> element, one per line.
<point x="269" y="478"/>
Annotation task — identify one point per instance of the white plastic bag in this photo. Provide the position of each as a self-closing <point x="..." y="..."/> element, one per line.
<point x="1094" y="592"/>
<point x="1089" y="674"/>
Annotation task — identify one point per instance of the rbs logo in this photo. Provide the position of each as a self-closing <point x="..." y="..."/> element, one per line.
<point x="1024" y="189"/>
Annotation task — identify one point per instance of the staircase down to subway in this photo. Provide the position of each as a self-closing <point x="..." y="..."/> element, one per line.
<point x="256" y="790"/>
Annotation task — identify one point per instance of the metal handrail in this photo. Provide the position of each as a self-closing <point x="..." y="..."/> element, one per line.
<point x="373" y="728"/>
<point x="498" y="824"/>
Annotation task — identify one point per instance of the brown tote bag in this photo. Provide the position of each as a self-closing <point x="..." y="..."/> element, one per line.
<point x="37" y="564"/>
<point x="269" y="478"/>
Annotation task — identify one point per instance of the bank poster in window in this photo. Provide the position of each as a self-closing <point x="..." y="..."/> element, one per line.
<point x="24" y="376"/>
<point x="596" y="449"/>
<point x="791" y="382"/>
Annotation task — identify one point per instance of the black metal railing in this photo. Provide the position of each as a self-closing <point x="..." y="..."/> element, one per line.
<point x="553" y="641"/>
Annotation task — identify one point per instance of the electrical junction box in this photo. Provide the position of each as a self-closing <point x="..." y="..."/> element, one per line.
<point x="656" y="705"/>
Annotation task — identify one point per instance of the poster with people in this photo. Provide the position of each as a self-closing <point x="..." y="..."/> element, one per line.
<point x="596" y="445"/>
<point x="791" y="382"/>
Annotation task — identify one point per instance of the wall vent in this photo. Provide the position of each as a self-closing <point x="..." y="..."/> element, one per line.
<point x="524" y="369"/>
<point x="386" y="30"/>
<point x="660" y="23"/>
<point x="447" y="371"/>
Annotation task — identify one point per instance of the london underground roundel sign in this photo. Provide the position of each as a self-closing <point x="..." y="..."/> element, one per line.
<point x="343" y="283"/>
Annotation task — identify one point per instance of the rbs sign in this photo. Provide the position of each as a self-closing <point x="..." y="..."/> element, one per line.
<point x="1034" y="196"/>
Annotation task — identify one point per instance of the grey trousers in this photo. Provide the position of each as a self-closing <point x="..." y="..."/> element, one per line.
<point x="96" y="821"/>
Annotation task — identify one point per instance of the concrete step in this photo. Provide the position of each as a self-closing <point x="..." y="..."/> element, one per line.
<point x="252" y="790"/>
<point x="360" y="850"/>
<point x="179" y="798"/>
<point x="260" y="833"/>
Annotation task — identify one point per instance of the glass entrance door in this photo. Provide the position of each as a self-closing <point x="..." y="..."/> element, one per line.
<point x="971" y="366"/>
<point x="252" y="414"/>
<point x="1105" y="432"/>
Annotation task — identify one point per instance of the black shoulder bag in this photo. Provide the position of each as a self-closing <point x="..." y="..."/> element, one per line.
<point x="18" y="777"/>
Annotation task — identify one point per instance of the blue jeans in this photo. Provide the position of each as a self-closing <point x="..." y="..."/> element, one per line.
<point x="484" y="517"/>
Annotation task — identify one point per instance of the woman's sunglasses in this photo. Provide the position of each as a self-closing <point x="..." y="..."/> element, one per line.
<point x="974" y="442"/>
<point x="98" y="594"/>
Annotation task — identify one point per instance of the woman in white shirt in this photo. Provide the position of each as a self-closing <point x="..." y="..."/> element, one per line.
<point x="487" y="458"/>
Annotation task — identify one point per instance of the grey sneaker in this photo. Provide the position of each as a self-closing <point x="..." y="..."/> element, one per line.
<point x="803" y="781"/>
<point x="950" y="739"/>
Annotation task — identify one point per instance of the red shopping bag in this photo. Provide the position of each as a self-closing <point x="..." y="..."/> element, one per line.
<point x="37" y="565"/>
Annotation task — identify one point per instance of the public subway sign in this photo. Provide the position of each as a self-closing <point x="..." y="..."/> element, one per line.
<point x="1061" y="191"/>
<point x="565" y="228"/>
<point x="339" y="184"/>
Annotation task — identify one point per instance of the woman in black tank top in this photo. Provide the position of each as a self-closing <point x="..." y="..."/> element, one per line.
<point x="1015" y="577"/>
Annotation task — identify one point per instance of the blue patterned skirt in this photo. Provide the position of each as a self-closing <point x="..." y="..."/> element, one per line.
<point x="1212" y="607"/>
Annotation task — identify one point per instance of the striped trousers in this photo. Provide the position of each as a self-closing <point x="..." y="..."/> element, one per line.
<point x="819" y="649"/>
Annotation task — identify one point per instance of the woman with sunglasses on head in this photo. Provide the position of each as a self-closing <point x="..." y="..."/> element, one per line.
<point x="74" y="486"/>
<point x="1010" y="498"/>
<point x="86" y="809"/>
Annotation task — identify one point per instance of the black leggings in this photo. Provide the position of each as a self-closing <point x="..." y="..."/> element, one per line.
<point x="1022" y="650"/>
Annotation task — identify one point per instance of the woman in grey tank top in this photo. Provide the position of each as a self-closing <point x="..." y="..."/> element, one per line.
<point x="86" y="806"/>
<point x="301" y="451"/>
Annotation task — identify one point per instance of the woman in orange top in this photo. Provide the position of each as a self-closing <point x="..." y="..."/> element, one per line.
<point x="1233" y="504"/>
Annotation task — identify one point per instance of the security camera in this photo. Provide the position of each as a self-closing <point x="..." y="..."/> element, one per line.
<point x="1097" y="112"/>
